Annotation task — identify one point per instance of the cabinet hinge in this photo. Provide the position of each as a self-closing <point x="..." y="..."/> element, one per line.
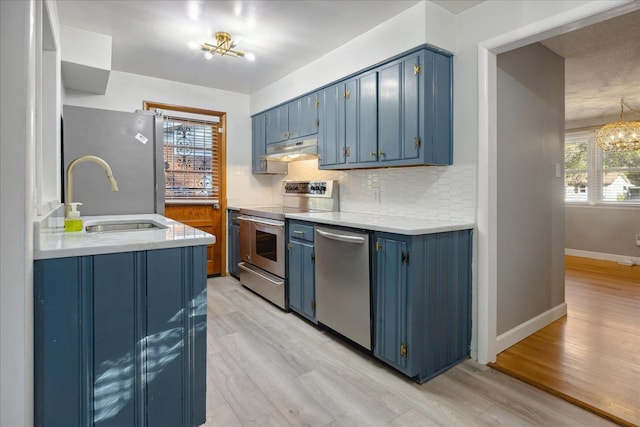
<point x="313" y="258"/>
<point x="405" y="257"/>
<point x="416" y="142"/>
<point x="317" y="103"/>
<point x="313" y="305"/>
<point x="404" y="350"/>
<point x="317" y="123"/>
<point x="289" y="246"/>
<point x="378" y="246"/>
<point x="417" y="69"/>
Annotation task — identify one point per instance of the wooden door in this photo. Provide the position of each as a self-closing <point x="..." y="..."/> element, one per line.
<point x="206" y="218"/>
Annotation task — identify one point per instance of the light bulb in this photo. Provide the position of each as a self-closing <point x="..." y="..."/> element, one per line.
<point x="250" y="56"/>
<point x="208" y="55"/>
<point x="193" y="45"/>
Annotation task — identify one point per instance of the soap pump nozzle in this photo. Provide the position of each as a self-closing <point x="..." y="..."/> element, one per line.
<point x="74" y="212"/>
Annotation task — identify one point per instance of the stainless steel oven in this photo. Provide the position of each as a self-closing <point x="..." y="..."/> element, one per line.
<point x="262" y="255"/>
<point x="263" y="240"/>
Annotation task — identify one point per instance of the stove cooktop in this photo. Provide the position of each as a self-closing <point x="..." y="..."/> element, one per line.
<point x="273" y="212"/>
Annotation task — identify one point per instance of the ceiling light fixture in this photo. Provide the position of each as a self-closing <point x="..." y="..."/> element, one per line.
<point x="225" y="45"/>
<point x="620" y="136"/>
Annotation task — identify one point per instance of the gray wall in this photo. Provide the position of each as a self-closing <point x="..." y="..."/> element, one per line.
<point x="609" y="230"/>
<point x="530" y="111"/>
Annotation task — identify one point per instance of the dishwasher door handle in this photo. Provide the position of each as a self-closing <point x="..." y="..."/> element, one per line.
<point x="342" y="237"/>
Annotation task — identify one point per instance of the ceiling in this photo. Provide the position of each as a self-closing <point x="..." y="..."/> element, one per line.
<point x="150" y="38"/>
<point x="602" y="63"/>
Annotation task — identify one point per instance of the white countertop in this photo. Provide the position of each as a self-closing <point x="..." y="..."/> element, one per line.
<point x="390" y="224"/>
<point x="56" y="243"/>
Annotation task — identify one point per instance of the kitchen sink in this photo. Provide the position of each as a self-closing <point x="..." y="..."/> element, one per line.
<point x="124" y="225"/>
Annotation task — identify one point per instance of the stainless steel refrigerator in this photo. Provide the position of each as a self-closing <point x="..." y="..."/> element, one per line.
<point x="131" y="143"/>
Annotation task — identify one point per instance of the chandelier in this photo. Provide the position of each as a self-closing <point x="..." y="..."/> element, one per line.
<point x="225" y="45"/>
<point x="620" y="136"/>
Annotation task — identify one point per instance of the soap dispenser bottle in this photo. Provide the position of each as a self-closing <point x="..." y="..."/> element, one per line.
<point x="73" y="222"/>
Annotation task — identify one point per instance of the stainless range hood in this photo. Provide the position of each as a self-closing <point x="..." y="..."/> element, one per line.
<point x="291" y="151"/>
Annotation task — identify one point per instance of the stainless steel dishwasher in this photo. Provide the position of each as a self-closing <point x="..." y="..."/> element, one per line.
<point x="343" y="301"/>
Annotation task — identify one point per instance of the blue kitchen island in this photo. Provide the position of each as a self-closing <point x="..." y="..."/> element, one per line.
<point x="120" y="325"/>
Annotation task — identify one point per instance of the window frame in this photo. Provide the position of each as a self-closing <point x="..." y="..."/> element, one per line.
<point x="595" y="171"/>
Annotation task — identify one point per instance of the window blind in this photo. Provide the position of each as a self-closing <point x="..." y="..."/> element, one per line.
<point x="191" y="158"/>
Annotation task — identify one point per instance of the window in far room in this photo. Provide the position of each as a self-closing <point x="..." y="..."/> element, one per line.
<point x="593" y="175"/>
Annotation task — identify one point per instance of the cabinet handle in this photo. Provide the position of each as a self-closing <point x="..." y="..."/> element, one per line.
<point x="416" y="142"/>
<point x="347" y="94"/>
<point x="380" y="153"/>
<point x="298" y="232"/>
<point x="373" y="153"/>
<point x="404" y="350"/>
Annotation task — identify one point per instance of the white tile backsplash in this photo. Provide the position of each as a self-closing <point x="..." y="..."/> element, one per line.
<point x="433" y="192"/>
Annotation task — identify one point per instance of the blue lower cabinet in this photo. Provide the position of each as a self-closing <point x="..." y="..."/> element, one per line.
<point x="234" y="243"/>
<point x="120" y="339"/>
<point x="422" y="300"/>
<point x="301" y="270"/>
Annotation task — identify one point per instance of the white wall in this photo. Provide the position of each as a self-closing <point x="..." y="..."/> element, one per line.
<point x="17" y="159"/>
<point x="126" y="92"/>
<point x="424" y="23"/>
<point x="530" y="142"/>
<point x="603" y="230"/>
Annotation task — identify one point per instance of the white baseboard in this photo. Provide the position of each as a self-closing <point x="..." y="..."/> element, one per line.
<point x="605" y="257"/>
<point x="522" y="331"/>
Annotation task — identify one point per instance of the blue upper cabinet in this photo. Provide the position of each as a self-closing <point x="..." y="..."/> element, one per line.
<point x="415" y="110"/>
<point x="348" y="118"/>
<point x="296" y="119"/>
<point x="399" y="109"/>
<point x="397" y="114"/>
<point x="331" y="136"/>
<point x="277" y="124"/>
<point x="361" y="119"/>
<point x="258" y="139"/>
<point x="303" y="116"/>
<point x="436" y="128"/>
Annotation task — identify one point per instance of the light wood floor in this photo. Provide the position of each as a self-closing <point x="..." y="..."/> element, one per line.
<point x="270" y="368"/>
<point x="591" y="356"/>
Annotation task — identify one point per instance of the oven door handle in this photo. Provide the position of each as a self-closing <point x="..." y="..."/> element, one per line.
<point x="262" y="221"/>
<point x="244" y="267"/>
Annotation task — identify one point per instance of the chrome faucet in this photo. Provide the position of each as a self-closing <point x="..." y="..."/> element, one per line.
<point x="69" y="181"/>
